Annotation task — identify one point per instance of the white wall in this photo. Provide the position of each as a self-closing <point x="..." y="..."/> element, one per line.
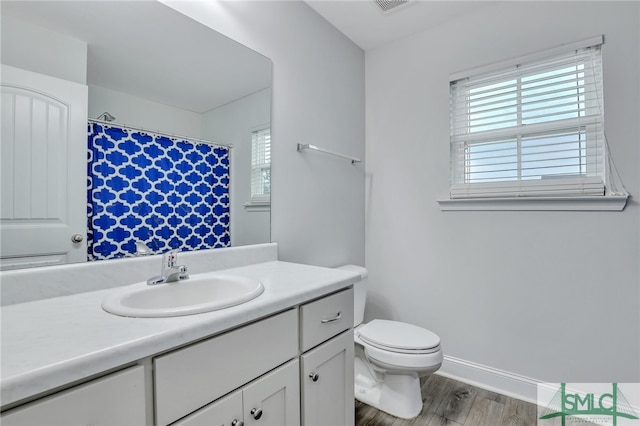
<point x="137" y="112"/>
<point x="553" y="296"/>
<point x="233" y="124"/>
<point x="317" y="214"/>
<point x="43" y="51"/>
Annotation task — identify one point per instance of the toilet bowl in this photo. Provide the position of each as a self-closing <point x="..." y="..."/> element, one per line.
<point x="390" y="358"/>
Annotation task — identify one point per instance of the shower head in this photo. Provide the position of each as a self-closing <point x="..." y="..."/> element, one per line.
<point x="105" y="116"/>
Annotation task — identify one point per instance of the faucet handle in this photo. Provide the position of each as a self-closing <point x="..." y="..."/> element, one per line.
<point x="142" y="249"/>
<point x="169" y="259"/>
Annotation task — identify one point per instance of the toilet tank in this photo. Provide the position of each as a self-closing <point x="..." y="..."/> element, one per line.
<point x="359" y="292"/>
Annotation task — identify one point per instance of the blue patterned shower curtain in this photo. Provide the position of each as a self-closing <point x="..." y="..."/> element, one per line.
<point x="166" y="193"/>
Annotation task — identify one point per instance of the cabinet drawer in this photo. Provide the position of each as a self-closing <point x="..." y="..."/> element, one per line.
<point x="189" y="378"/>
<point x="325" y="318"/>
<point x="117" y="399"/>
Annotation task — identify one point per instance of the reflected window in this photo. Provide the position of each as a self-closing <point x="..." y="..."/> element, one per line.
<point x="261" y="166"/>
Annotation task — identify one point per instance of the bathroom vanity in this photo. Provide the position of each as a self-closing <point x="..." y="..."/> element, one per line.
<point x="283" y="358"/>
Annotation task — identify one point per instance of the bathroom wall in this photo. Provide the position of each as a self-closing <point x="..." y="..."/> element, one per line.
<point x="552" y="296"/>
<point x="43" y="51"/>
<point x="317" y="214"/>
<point x="138" y="112"/>
<point x="232" y="124"/>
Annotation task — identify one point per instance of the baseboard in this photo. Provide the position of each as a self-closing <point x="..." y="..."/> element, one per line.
<point x="493" y="379"/>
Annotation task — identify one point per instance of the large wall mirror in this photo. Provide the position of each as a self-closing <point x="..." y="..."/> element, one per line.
<point x="145" y="68"/>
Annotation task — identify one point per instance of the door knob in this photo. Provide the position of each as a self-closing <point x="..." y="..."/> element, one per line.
<point x="256" y="413"/>
<point x="237" y="422"/>
<point x="314" y="376"/>
<point x="77" y="238"/>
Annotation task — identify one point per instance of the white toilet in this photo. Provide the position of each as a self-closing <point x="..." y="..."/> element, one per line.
<point x="390" y="358"/>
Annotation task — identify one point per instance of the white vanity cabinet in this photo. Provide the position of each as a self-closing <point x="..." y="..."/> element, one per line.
<point x="289" y="367"/>
<point x="271" y="400"/>
<point x="327" y="368"/>
<point x="116" y="399"/>
<point x="192" y="377"/>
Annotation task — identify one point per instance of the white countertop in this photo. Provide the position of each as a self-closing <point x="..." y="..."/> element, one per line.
<point x="53" y="342"/>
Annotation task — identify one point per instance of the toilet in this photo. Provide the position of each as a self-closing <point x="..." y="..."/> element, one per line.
<point x="390" y="358"/>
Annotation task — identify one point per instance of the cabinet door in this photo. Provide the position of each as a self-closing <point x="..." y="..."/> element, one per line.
<point x="223" y="412"/>
<point x="327" y="383"/>
<point x="274" y="399"/>
<point x="117" y="399"/>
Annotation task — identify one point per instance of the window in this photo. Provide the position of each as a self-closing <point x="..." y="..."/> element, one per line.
<point x="532" y="127"/>
<point x="261" y="166"/>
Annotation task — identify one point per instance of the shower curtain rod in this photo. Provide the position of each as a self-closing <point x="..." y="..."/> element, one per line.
<point x="155" y="132"/>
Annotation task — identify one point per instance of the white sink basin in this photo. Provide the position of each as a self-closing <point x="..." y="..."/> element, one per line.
<point x="197" y="294"/>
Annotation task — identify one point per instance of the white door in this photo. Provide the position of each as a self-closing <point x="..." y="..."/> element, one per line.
<point x="327" y="383"/>
<point x="274" y="399"/>
<point x="44" y="168"/>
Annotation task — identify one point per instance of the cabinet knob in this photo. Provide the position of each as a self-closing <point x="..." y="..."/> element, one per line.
<point x="256" y="413"/>
<point x="237" y="422"/>
<point x="314" y="376"/>
<point x="77" y="238"/>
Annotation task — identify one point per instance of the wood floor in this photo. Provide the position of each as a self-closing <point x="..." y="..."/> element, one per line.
<point x="452" y="403"/>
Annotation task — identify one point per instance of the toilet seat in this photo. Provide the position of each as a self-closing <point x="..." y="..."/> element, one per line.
<point x="398" y="346"/>
<point x="398" y="337"/>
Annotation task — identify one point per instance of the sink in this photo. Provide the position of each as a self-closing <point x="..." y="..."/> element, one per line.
<point x="195" y="295"/>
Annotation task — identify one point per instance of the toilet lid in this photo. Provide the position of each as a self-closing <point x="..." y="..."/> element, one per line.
<point x="398" y="335"/>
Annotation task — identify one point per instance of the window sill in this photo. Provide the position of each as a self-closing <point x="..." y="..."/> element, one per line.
<point x="257" y="207"/>
<point x="600" y="203"/>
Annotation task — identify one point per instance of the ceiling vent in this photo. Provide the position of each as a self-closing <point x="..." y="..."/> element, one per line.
<point x="388" y="6"/>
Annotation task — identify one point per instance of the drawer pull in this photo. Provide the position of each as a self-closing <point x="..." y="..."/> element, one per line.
<point x="336" y="318"/>
<point x="237" y="422"/>
<point x="314" y="376"/>
<point x="256" y="413"/>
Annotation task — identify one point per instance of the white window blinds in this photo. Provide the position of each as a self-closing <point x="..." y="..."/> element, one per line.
<point x="261" y="166"/>
<point x="532" y="128"/>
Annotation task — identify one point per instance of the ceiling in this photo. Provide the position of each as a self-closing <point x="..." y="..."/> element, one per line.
<point x="368" y="27"/>
<point x="114" y="44"/>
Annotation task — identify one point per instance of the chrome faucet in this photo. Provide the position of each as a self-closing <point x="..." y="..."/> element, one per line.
<point x="171" y="271"/>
